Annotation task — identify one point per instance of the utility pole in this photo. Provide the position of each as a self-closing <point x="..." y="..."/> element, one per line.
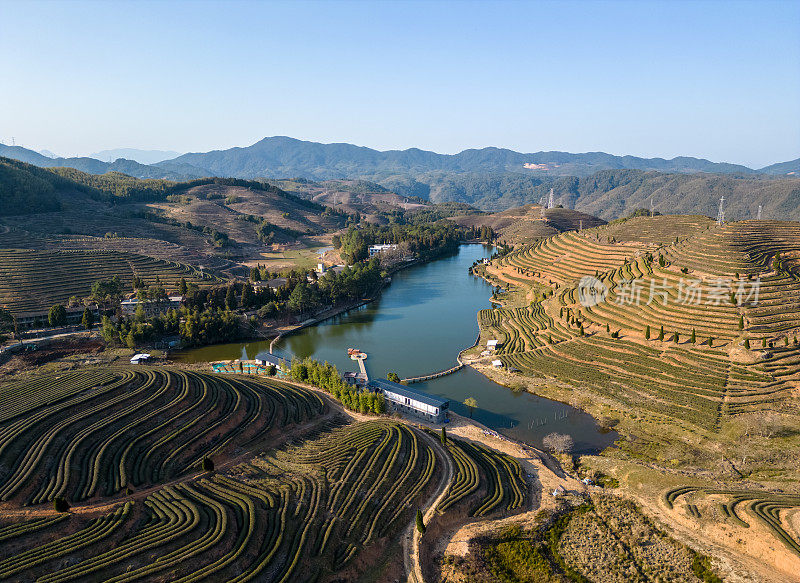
<point x="759" y="213"/>
<point x="721" y="212"/>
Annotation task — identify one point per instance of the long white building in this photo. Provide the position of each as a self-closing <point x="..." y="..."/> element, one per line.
<point x="407" y="400"/>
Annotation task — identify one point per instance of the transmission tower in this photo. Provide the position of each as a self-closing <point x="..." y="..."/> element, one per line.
<point x="721" y="212"/>
<point x="551" y="200"/>
<point x="651" y="206"/>
<point x="759" y="213"/>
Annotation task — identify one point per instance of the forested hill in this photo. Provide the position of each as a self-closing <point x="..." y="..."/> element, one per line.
<point x="279" y="156"/>
<point x="26" y="189"/>
<point x="611" y="194"/>
<point x="790" y="168"/>
<point x="614" y="194"/>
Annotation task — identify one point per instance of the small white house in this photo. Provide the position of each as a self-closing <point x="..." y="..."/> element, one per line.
<point x="375" y="249"/>
<point x="497" y="363"/>
<point x="559" y="491"/>
<point x="140" y="358"/>
<point x="491" y="344"/>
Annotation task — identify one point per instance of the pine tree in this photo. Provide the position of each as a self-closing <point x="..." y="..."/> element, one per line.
<point x="747" y="343"/>
<point x="694" y="337"/>
<point x="230" y="298"/>
<point x="420" y="523"/>
<point x="763" y="343"/>
<point x="661" y="334"/>
<point x="444" y="436"/>
<point x="647" y="332"/>
<point x="741" y="322"/>
<point x="710" y="341"/>
<point x="248" y="295"/>
<point x="676" y="338"/>
<point x="208" y="465"/>
<point x="183" y="289"/>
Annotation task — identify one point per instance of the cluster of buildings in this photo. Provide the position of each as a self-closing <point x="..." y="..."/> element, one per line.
<point x="151" y="307"/>
<point x="491" y="348"/>
<point x="398" y="397"/>
<point x="38" y="319"/>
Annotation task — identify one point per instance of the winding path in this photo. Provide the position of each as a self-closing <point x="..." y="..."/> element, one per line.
<point x="412" y="536"/>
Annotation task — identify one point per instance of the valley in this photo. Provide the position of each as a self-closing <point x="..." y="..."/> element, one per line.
<point x="629" y="382"/>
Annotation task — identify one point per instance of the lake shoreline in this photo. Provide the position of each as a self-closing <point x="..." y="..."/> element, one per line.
<point x="425" y="321"/>
<point x="336" y="311"/>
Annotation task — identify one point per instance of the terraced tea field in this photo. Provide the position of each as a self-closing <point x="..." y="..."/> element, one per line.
<point x="689" y="343"/>
<point x="488" y="480"/>
<point x="641" y="344"/>
<point x="772" y="511"/>
<point x="36" y="280"/>
<point x="299" y="492"/>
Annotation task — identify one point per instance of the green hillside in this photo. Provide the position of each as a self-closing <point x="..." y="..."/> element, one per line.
<point x="26" y="189"/>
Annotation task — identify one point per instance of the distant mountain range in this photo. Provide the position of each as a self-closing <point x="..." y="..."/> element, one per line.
<point x="94" y="166"/>
<point x="141" y="156"/>
<point x="490" y="178"/>
<point x="284" y="157"/>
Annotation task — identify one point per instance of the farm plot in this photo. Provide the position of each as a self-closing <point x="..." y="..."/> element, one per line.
<point x="656" y="380"/>
<point x="567" y="257"/>
<point x="738" y="506"/>
<point x="35" y="280"/>
<point x="98" y="433"/>
<point x="520" y="329"/>
<point x="485" y="480"/>
<point x="291" y="515"/>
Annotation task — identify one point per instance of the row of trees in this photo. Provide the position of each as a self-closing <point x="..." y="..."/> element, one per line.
<point x="326" y="376"/>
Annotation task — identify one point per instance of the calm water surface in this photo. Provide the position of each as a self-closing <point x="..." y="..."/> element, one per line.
<point x="417" y="326"/>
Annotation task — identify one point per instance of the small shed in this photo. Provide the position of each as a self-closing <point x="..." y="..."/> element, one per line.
<point x="281" y="364"/>
<point x="497" y="363"/>
<point x="491" y="344"/>
<point x="140" y="358"/>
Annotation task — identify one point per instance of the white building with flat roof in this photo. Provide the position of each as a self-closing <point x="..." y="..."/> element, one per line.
<point x="375" y="249"/>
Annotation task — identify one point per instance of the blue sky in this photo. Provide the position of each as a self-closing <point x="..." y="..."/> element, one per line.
<point x="718" y="80"/>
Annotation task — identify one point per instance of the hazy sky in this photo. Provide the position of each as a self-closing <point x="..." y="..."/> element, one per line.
<point x="718" y="80"/>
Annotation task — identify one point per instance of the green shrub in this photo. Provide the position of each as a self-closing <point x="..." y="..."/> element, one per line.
<point x="420" y="523"/>
<point x="701" y="566"/>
